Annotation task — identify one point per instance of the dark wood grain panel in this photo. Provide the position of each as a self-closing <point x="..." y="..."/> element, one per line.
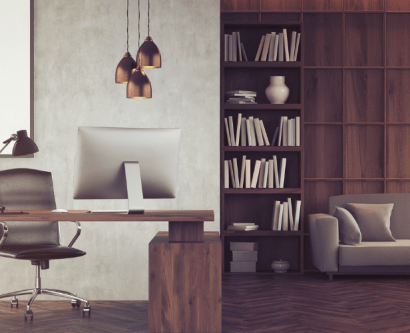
<point x="323" y="151"/>
<point x="239" y="17"/>
<point x="186" y="231"/>
<point x="323" y="95"/>
<point x="367" y="5"/>
<point x="364" y="187"/>
<point x="324" y="34"/>
<point x="280" y="17"/>
<point x="397" y="39"/>
<point x="322" y="4"/>
<point x="240" y="4"/>
<point x="364" y="40"/>
<point x="398" y="146"/>
<point x="278" y="5"/>
<point x="364" y="151"/>
<point x="364" y="95"/>
<point x="397" y="186"/>
<point x="397" y="5"/>
<point x="398" y="95"/>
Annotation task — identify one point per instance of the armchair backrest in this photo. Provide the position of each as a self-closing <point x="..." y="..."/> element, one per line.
<point x="400" y="217"/>
<point x="28" y="189"/>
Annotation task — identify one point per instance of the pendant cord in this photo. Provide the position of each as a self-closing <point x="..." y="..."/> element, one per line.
<point x="127" y="23"/>
<point x="138" y="24"/>
<point x="148" y="17"/>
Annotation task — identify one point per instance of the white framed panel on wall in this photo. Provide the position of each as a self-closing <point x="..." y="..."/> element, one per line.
<point x="16" y="70"/>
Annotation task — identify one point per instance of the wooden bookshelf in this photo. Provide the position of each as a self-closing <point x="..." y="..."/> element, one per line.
<point x="256" y="204"/>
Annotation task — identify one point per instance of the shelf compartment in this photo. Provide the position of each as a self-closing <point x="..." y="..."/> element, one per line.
<point x="262" y="148"/>
<point x="261" y="64"/>
<point x="261" y="191"/>
<point x="262" y="233"/>
<point x="265" y="106"/>
<point x="397" y="160"/>
<point x="398" y="186"/>
<point x="397" y="43"/>
<point x="364" y="187"/>
<point x="398" y="95"/>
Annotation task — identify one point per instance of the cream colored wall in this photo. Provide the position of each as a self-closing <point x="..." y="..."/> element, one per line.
<point x="78" y="44"/>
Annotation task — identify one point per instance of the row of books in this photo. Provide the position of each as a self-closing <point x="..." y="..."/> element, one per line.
<point x="284" y="218"/>
<point x="251" y="131"/>
<point x="272" y="47"/>
<point x="243" y="226"/>
<point x="266" y="173"/>
<point x="241" y="97"/>
<point x="244" y="256"/>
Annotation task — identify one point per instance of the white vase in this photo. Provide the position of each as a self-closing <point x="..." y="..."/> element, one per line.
<point x="277" y="92"/>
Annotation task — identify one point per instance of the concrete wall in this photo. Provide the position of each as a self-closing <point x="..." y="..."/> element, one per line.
<point x="78" y="44"/>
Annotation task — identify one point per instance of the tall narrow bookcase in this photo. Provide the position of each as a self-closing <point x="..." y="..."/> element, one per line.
<point x="256" y="204"/>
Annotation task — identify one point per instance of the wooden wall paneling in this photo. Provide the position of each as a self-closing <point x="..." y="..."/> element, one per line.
<point x="323" y="33"/>
<point x="278" y="5"/>
<point x="323" y="5"/>
<point x="239" y="17"/>
<point x="280" y="17"/>
<point x="323" y="152"/>
<point x="239" y="5"/>
<point x="364" y="40"/>
<point x="361" y="5"/>
<point x="323" y="95"/>
<point x="398" y="95"/>
<point x="397" y="5"/>
<point x="398" y="146"/>
<point x="397" y="186"/>
<point x="364" y="95"/>
<point x="364" y="187"/>
<point x="308" y="255"/>
<point x="364" y="151"/>
<point x="397" y="39"/>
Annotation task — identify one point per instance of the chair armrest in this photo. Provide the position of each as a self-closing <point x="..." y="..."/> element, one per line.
<point x="5" y="233"/>
<point x="324" y="241"/>
<point x="77" y="234"/>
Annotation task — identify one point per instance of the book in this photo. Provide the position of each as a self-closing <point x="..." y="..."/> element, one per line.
<point x="297" y="47"/>
<point x="280" y="217"/>
<point x="242" y="180"/>
<point x="265" y="177"/>
<point x="275" y="48"/>
<point x="232" y="174"/>
<point x="258" y="132"/>
<point x="230" y="53"/>
<point x="240" y="102"/>
<point x="226" y="173"/>
<point x="280" y="50"/>
<point x="242" y="228"/>
<point x="275" y="136"/>
<point x="290" y="214"/>
<point x="282" y="172"/>
<point x="275" y="215"/>
<point x="280" y="131"/>
<point x="248" y="131"/>
<point x="265" y="136"/>
<point x="292" y="47"/>
<point x="285" y="224"/>
<point x="242" y="223"/>
<point x="228" y="135"/>
<point x="297" y="131"/>
<point x="255" y="174"/>
<point x="231" y="132"/>
<point x="260" y="48"/>
<point x="271" y="46"/>
<point x="265" y="47"/>
<point x="297" y="215"/>
<point x="238" y="129"/>
<point x="270" y="174"/>
<point x="243" y="246"/>
<point x="244" y="99"/>
<point x="239" y="46"/>
<point x="285" y="44"/>
<point x="235" y="171"/>
<point x="243" y="52"/>
<point x="248" y="174"/>
<point x="276" y="171"/>
<point x="290" y="132"/>
<point x="284" y="131"/>
<point x="261" y="173"/>
<point x="243" y="266"/>
<point x="245" y="256"/>
<point x="251" y="123"/>
<point x="234" y="46"/>
<point x="241" y="92"/>
<point x="243" y="132"/>
<point x="226" y="55"/>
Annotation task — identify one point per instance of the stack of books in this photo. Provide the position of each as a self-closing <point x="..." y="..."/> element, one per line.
<point x="243" y="226"/>
<point x="241" y="97"/>
<point x="244" y="256"/>
<point x="284" y="218"/>
<point x="288" y="132"/>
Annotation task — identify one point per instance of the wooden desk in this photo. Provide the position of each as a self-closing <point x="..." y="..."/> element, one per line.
<point x="185" y="277"/>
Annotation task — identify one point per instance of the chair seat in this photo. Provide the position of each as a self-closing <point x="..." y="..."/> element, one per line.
<point x="40" y="252"/>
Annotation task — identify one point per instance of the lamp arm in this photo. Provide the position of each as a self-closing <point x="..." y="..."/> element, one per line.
<point x="5" y="233"/>
<point x="13" y="137"/>
<point x="77" y="234"/>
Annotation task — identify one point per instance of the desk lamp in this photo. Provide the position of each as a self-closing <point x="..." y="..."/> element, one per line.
<point x="23" y="146"/>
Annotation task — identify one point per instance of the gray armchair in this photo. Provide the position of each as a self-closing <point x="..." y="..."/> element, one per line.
<point x="39" y="242"/>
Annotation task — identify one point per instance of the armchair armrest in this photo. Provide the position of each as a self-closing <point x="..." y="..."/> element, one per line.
<point x="77" y="234"/>
<point x="5" y="233"/>
<point x="324" y="241"/>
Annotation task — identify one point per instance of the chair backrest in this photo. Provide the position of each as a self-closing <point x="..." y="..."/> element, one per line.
<point x="28" y="189"/>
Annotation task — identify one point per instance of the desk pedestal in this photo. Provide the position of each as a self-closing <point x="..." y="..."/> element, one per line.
<point x="185" y="284"/>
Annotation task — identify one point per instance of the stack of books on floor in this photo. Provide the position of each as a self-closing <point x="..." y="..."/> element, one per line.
<point x="241" y="97"/>
<point x="243" y="226"/>
<point x="284" y="218"/>
<point x="244" y="256"/>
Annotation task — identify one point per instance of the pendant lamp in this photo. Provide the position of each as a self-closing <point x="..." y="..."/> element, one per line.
<point x="127" y="63"/>
<point x="148" y="54"/>
<point x="139" y="85"/>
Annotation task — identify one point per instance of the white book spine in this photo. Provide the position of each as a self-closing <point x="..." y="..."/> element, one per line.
<point x="265" y="47"/>
<point x="285" y="224"/>
<point x="292" y="47"/>
<point x="226" y="55"/>
<point x="280" y="131"/>
<point x="235" y="172"/>
<point x="282" y="173"/>
<point x="285" y="44"/>
<point x="255" y="174"/>
<point x="265" y="177"/>
<point x="261" y="173"/>
<point x="230" y="55"/>
<point x="248" y="130"/>
<point x="297" y="215"/>
<point x="270" y="176"/>
<point x="297" y="131"/>
<point x="231" y="173"/>
<point x="276" y="170"/>
<point x="252" y="131"/>
<point x="280" y="218"/>
<point x="231" y="131"/>
<point x="271" y="46"/>
<point x="239" y="46"/>
<point x="297" y="47"/>
<point x="243" y="132"/>
<point x="280" y="55"/>
<point x="289" y="132"/>
<point x="238" y="129"/>
<point x="226" y="173"/>
<point x="290" y="214"/>
<point x="258" y="132"/>
<point x="242" y="171"/>
<point x="264" y="134"/>
<point x="275" y="215"/>
<point x="285" y="131"/>
<point x="260" y="48"/>
<point x="275" y="48"/>
<point x="234" y="47"/>
<point x="228" y="135"/>
<point x="248" y="174"/>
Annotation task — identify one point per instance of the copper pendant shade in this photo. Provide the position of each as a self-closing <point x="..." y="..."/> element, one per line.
<point x="139" y="85"/>
<point x="124" y="69"/>
<point x="149" y="55"/>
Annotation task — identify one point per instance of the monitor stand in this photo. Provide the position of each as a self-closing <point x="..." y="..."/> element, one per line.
<point x="134" y="188"/>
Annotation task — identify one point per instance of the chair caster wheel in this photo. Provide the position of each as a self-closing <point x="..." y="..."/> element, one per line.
<point x="28" y="314"/>
<point x="15" y="302"/>
<point x="75" y="303"/>
<point x="86" y="308"/>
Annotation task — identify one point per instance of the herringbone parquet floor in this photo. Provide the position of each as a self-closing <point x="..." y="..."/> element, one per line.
<point x="258" y="304"/>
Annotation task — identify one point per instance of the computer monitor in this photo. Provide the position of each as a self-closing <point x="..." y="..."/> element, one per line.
<point x="126" y="163"/>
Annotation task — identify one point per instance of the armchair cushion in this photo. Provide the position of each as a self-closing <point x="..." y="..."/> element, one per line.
<point x="349" y="232"/>
<point x="373" y="221"/>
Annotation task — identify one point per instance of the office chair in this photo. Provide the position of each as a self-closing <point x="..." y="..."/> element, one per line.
<point x="39" y="242"/>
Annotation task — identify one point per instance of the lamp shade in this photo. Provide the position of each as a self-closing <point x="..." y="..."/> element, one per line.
<point x="24" y="145"/>
<point x="139" y="85"/>
<point x="149" y="55"/>
<point x="124" y="69"/>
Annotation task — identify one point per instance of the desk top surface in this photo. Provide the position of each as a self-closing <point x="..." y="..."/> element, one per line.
<point x="82" y="215"/>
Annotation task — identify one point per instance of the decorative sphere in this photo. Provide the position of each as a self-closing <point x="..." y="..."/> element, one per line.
<point x="280" y="266"/>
